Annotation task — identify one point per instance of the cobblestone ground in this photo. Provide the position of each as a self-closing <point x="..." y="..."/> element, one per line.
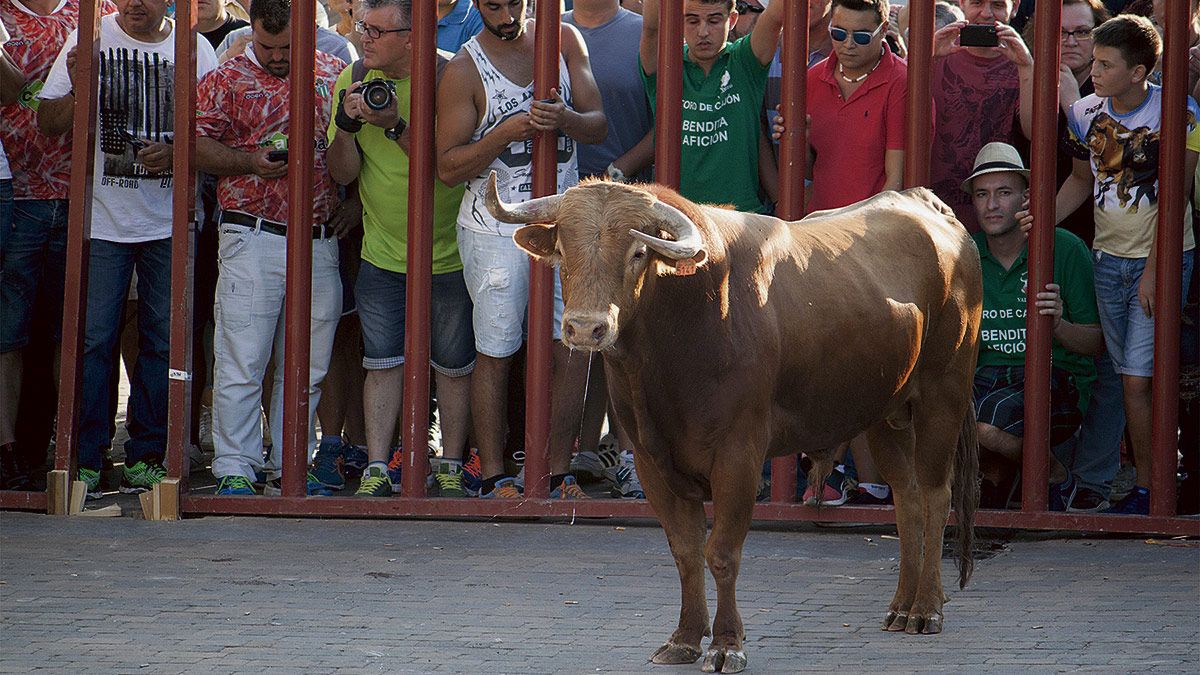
<point x="284" y="595"/>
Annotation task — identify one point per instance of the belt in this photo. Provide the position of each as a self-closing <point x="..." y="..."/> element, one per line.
<point x="269" y="226"/>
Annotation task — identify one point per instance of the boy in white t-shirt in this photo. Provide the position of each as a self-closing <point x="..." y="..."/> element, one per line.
<point x="1118" y="129"/>
<point x="130" y="226"/>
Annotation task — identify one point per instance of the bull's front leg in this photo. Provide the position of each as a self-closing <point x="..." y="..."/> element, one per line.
<point x="734" y="487"/>
<point x="683" y="522"/>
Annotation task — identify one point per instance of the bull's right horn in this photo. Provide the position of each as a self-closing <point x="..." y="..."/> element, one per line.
<point x="540" y="210"/>
<point x="687" y="241"/>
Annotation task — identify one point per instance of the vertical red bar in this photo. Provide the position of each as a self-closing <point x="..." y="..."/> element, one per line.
<point x="298" y="300"/>
<point x="668" y="103"/>
<point x="541" y="277"/>
<point x="1038" y="329"/>
<point x="183" y="231"/>
<point x="793" y="167"/>
<point x="420" y="250"/>
<point x="918" y="133"/>
<point x="79" y="234"/>
<point x="1172" y="190"/>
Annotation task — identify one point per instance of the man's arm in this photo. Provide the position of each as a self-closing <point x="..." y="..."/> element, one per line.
<point x="648" y="47"/>
<point x="54" y="116"/>
<point x="768" y="169"/>
<point x="57" y="110"/>
<point x="1146" y="287"/>
<point x="214" y="157"/>
<point x="637" y="158"/>
<point x="584" y="119"/>
<point x="459" y="159"/>
<point x="12" y="80"/>
<point x="1076" y="190"/>
<point x="1081" y="338"/>
<point x="1013" y="47"/>
<point x="893" y="169"/>
<point x="764" y="39"/>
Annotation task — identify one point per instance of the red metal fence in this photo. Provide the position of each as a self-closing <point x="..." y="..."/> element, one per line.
<point x="414" y="429"/>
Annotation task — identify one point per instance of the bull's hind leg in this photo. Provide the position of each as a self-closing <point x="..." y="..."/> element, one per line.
<point x="734" y="487"/>
<point x="893" y="451"/>
<point x="683" y="522"/>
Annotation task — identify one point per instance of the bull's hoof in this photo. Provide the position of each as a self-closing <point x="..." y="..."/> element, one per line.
<point x="724" y="660"/>
<point x="925" y="625"/>
<point x="674" y="654"/>
<point x="895" y="622"/>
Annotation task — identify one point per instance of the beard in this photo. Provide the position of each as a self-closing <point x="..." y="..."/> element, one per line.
<point x="514" y="30"/>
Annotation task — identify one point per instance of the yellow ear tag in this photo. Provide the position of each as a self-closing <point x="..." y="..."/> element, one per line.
<point x="685" y="267"/>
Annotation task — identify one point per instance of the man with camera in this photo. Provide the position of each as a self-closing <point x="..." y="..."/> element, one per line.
<point x="368" y="143"/>
<point x="241" y="127"/>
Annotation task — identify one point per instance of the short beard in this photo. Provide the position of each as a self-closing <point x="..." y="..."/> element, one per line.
<point x="495" y="31"/>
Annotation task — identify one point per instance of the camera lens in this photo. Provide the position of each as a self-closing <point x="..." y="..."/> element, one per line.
<point x="377" y="94"/>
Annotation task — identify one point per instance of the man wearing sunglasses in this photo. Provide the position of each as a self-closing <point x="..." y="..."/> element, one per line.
<point x="723" y="87"/>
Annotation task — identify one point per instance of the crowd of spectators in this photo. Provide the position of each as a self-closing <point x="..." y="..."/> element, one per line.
<point x="1101" y="300"/>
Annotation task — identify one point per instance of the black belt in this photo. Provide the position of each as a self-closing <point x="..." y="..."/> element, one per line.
<point x="269" y="226"/>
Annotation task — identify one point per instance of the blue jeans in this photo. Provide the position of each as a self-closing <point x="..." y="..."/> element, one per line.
<point x="1128" y="332"/>
<point x="1094" y="454"/>
<point x="6" y="211"/>
<point x="34" y="253"/>
<point x="111" y="266"/>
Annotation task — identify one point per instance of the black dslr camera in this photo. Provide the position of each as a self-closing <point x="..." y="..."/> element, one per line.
<point x="378" y="94"/>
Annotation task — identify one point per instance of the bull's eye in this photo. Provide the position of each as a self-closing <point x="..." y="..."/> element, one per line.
<point x="639" y="254"/>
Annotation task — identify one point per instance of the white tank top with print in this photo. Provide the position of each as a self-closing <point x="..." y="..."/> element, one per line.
<point x="514" y="166"/>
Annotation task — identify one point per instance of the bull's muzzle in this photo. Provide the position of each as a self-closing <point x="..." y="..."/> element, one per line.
<point x="590" y="332"/>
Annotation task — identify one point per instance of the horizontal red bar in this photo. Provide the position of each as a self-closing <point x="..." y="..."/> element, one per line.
<point x="16" y="500"/>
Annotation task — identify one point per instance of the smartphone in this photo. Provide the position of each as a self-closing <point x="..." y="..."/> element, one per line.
<point x="277" y="155"/>
<point x="978" y="35"/>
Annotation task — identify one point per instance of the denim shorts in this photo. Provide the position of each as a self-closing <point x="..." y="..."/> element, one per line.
<point x="1128" y="332"/>
<point x="32" y="269"/>
<point x="381" y="298"/>
<point x="497" y="276"/>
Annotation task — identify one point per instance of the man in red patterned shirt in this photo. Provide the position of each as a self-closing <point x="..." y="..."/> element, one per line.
<point x="242" y="120"/>
<point x="35" y="250"/>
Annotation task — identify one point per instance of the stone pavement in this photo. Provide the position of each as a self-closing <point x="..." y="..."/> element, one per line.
<point x="261" y="595"/>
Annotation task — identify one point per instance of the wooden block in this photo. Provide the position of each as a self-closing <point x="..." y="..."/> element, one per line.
<point x="58" y="493"/>
<point x="168" y="499"/>
<point x="110" y="511"/>
<point x="78" y="494"/>
<point x="147" y="500"/>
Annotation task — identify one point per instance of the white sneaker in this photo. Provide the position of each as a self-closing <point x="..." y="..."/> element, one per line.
<point x="592" y="467"/>
<point x="625" y="479"/>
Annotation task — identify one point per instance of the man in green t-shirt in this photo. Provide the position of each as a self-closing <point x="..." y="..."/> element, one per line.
<point x="371" y="146"/>
<point x="998" y="188"/>
<point x="723" y="87"/>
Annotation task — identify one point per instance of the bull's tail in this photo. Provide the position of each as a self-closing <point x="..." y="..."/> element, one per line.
<point x="966" y="494"/>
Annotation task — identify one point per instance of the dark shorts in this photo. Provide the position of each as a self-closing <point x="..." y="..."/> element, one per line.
<point x="381" y="298"/>
<point x="1000" y="401"/>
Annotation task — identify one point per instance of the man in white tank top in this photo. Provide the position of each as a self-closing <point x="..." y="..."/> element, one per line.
<point x="486" y="121"/>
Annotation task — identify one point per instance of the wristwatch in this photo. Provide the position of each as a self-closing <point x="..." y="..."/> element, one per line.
<point x="615" y="175"/>
<point x="394" y="132"/>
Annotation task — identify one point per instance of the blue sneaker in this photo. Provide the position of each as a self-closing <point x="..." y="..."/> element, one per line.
<point x="1136" y="503"/>
<point x="1062" y="494"/>
<point x="314" y="487"/>
<point x="394" y="467"/>
<point x="354" y="460"/>
<point x="327" y="465"/>
<point x="472" y="473"/>
<point x="234" y="486"/>
<point x="568" y="489"/>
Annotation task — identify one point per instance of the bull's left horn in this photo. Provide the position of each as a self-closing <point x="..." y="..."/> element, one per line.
<point x="687" y="242"/>
<point x="540" y="210"/>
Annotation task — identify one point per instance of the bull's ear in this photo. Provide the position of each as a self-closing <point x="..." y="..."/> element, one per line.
<point x="539" y="241"/>
<point x="682" y="267"/>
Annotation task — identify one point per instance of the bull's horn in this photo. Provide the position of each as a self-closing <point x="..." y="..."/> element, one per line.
<point x="687" y="241"/>
<point x="540" y="210"/>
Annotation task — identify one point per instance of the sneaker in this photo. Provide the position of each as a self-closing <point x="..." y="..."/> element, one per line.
<point x="1123" y="482"/>
<point x="862" y="497"/>
<point x="472" y="473"/>
<point x="448" y="481"/>
<point x="625" y="479"/>
<point x="354" y="460"/>
<point x="506" y="488"/>
<point x="231" y="486"/>
<point x="205" y="433"/>
<point x="520" y="479"/>
<point x="1062" y="494"/>
<point x="327" y="464"/>
<point x="1137" y="502"/>
<point x="1087" y="500"/>
<point x="141" y="477"/>
<point x="593" y="467"/>
<point x="375" y="483"/>
<point x="568" y="489"/>
<point x="835" y="491"/>
<point x="274" y="487"/>
<point x="395" y="465"/>
<point x="92" y="479"/>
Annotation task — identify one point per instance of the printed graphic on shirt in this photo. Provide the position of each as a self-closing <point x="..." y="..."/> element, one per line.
<point x="137" y="105"/>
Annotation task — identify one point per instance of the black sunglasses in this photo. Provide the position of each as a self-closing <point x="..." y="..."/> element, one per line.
<point x="861" y="37"/>
<point x="747" y="8"/>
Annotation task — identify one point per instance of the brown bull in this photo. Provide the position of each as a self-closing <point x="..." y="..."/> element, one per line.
<point x="729" y="338"/>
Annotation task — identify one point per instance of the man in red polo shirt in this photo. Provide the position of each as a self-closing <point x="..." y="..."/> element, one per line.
<point x="242" y="118"/>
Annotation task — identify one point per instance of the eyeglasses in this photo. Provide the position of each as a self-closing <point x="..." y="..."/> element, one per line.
<point x="1080" y="34"/>
<point x="747" y="8"/>
<point x="861" y="37"/>
<point x="362" y="28"/>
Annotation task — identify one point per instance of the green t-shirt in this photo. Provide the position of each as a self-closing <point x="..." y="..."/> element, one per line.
<point x="1002" y="330"/>
<point x="721" y="125"/>
<point x="383" y="186"/>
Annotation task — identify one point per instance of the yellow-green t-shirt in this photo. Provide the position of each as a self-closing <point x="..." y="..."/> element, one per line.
<point x="383" y="186"/>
